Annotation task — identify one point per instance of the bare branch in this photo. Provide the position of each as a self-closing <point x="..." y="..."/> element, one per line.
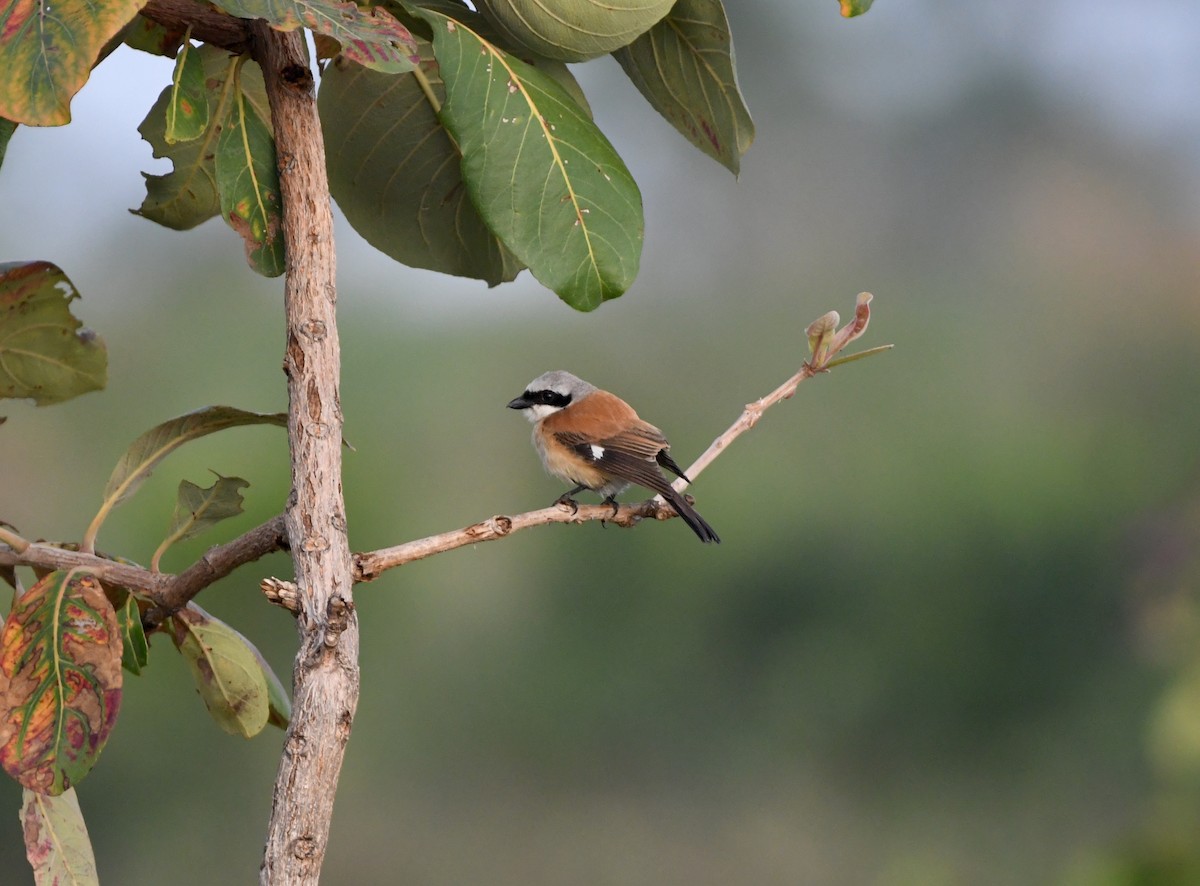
<point x="206" y="22"/>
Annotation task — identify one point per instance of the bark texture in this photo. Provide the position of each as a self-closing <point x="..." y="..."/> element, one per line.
<point x="325" y="675"/>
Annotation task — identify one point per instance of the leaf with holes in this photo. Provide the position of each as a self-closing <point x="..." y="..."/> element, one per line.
<point x="47" y="52"/>
<point x="543" y="177"/>
<point x="56" y="840"/>
<point x="685" y="68"/>
<point x="187" y="196"/>
<point x="60" y="681"/>
<point x="369" y="37"/>
<point x="187" y="111"/>
<point x="226" y="669"/>
<point x="197" y="510"/>
<point x="45" y="355"/>
<point x="144" y="453"/>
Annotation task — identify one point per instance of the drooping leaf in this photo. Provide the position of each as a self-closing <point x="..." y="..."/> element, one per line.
<point x="225" y="668"/>
<point x="144" y="453"/>
<point x="396" y="175"/>
<point x="187" y="110"/>
<point x="573" y="30"/>
<point x="685" y="68"/>
<point x="150" y="36"/>
<point x="543" y="177"/>
<point x="369" y="37"/>
<point x="56" y="840"/>
<point x="135" y="650"/>
<point x="60" y="681"/>
<point x="45" y="355"/>
<point x="47" y="51"/>
<point x="279" y="705"/>
<point x="248" y="185"/>
<point x="7" y="128"/>
<point x="852" y="8"/>
<point x="197" y="510"/>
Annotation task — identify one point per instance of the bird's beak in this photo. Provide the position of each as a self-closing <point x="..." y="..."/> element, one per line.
<point x="519" y="403"/>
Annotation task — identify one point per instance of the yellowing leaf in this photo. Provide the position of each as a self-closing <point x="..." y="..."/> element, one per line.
<point x="60" y="681"/>
<point x="47" y="50"/>
<point x="44" y="354"/>
<point x="852" y="8"/>
<point x="56" y="840"/>
<point x="226" y="669"/>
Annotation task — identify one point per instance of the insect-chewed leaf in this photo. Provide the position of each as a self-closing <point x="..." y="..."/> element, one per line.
<point x="135" y="650"/>
<point x="56" y="839"/>
<point x="44" y="354"/>
<point x="248" y="185"/>
<point x="187" y="111"/>
<point x="47" y="51"/>
<point x="226" y="669"/>
<point x="144" y="453"/>
<point x="187" y="196"/>
<point x="370" y="37"/>
<point x="60" y="681"/>
<point x="685" y="68"/>
<point x="543" y="177"/>
<point x="199" y="509"/>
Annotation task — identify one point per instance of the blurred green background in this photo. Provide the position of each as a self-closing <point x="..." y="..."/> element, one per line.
<point x="951" y="635"/>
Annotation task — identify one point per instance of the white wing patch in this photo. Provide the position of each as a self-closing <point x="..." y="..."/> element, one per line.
<point x="597" y="452"/>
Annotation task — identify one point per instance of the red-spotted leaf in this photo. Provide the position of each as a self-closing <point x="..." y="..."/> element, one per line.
<point x="56" y="840"/>
<point x="226" y="669"/>
<point x="45" y="355"/>
<point x="60" y="681"/>
<point x="685" y="68"/>
<point x="47" y="51"/>
<point x="370" y="37"/>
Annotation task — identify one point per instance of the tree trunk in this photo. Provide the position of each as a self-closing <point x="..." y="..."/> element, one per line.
<point x="325" y="676"/>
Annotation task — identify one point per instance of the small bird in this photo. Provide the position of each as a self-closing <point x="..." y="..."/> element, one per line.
<point x="595" y="440"/>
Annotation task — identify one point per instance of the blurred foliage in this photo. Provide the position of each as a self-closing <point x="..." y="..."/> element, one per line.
<point x="951" y="633"/>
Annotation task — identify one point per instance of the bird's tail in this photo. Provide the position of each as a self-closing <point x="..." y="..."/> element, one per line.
<point x="705" y="532"/>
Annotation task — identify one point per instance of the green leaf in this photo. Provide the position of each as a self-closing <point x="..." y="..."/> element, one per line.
<point x="279" y="706"/>
<point x="225" y="668"/>
<point x="572" y="30"/>
<point x="685" y="68"/>
<point x="248" y="185"/>
<point x="45" y="355"/>
<point x="369" y="37"/>
<point x="851" y="8"/>
<point x="135" y="650"/>
<point x="7" y="128"/>
<point x="543" y="177"/>
<point x="47" y="51"/>
<point x="150" y="36"/>
<point x="60" y="681"/>
<point x="187" y="196"/>
<point x="56" y="840"/>
<point x="187" y="109"/>
<point x="144" y="454"/>
<point x="197" y="510"/>
<point x="396" y="175"/>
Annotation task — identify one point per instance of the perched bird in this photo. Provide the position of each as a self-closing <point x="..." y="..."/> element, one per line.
<point x="595" y="440"/>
